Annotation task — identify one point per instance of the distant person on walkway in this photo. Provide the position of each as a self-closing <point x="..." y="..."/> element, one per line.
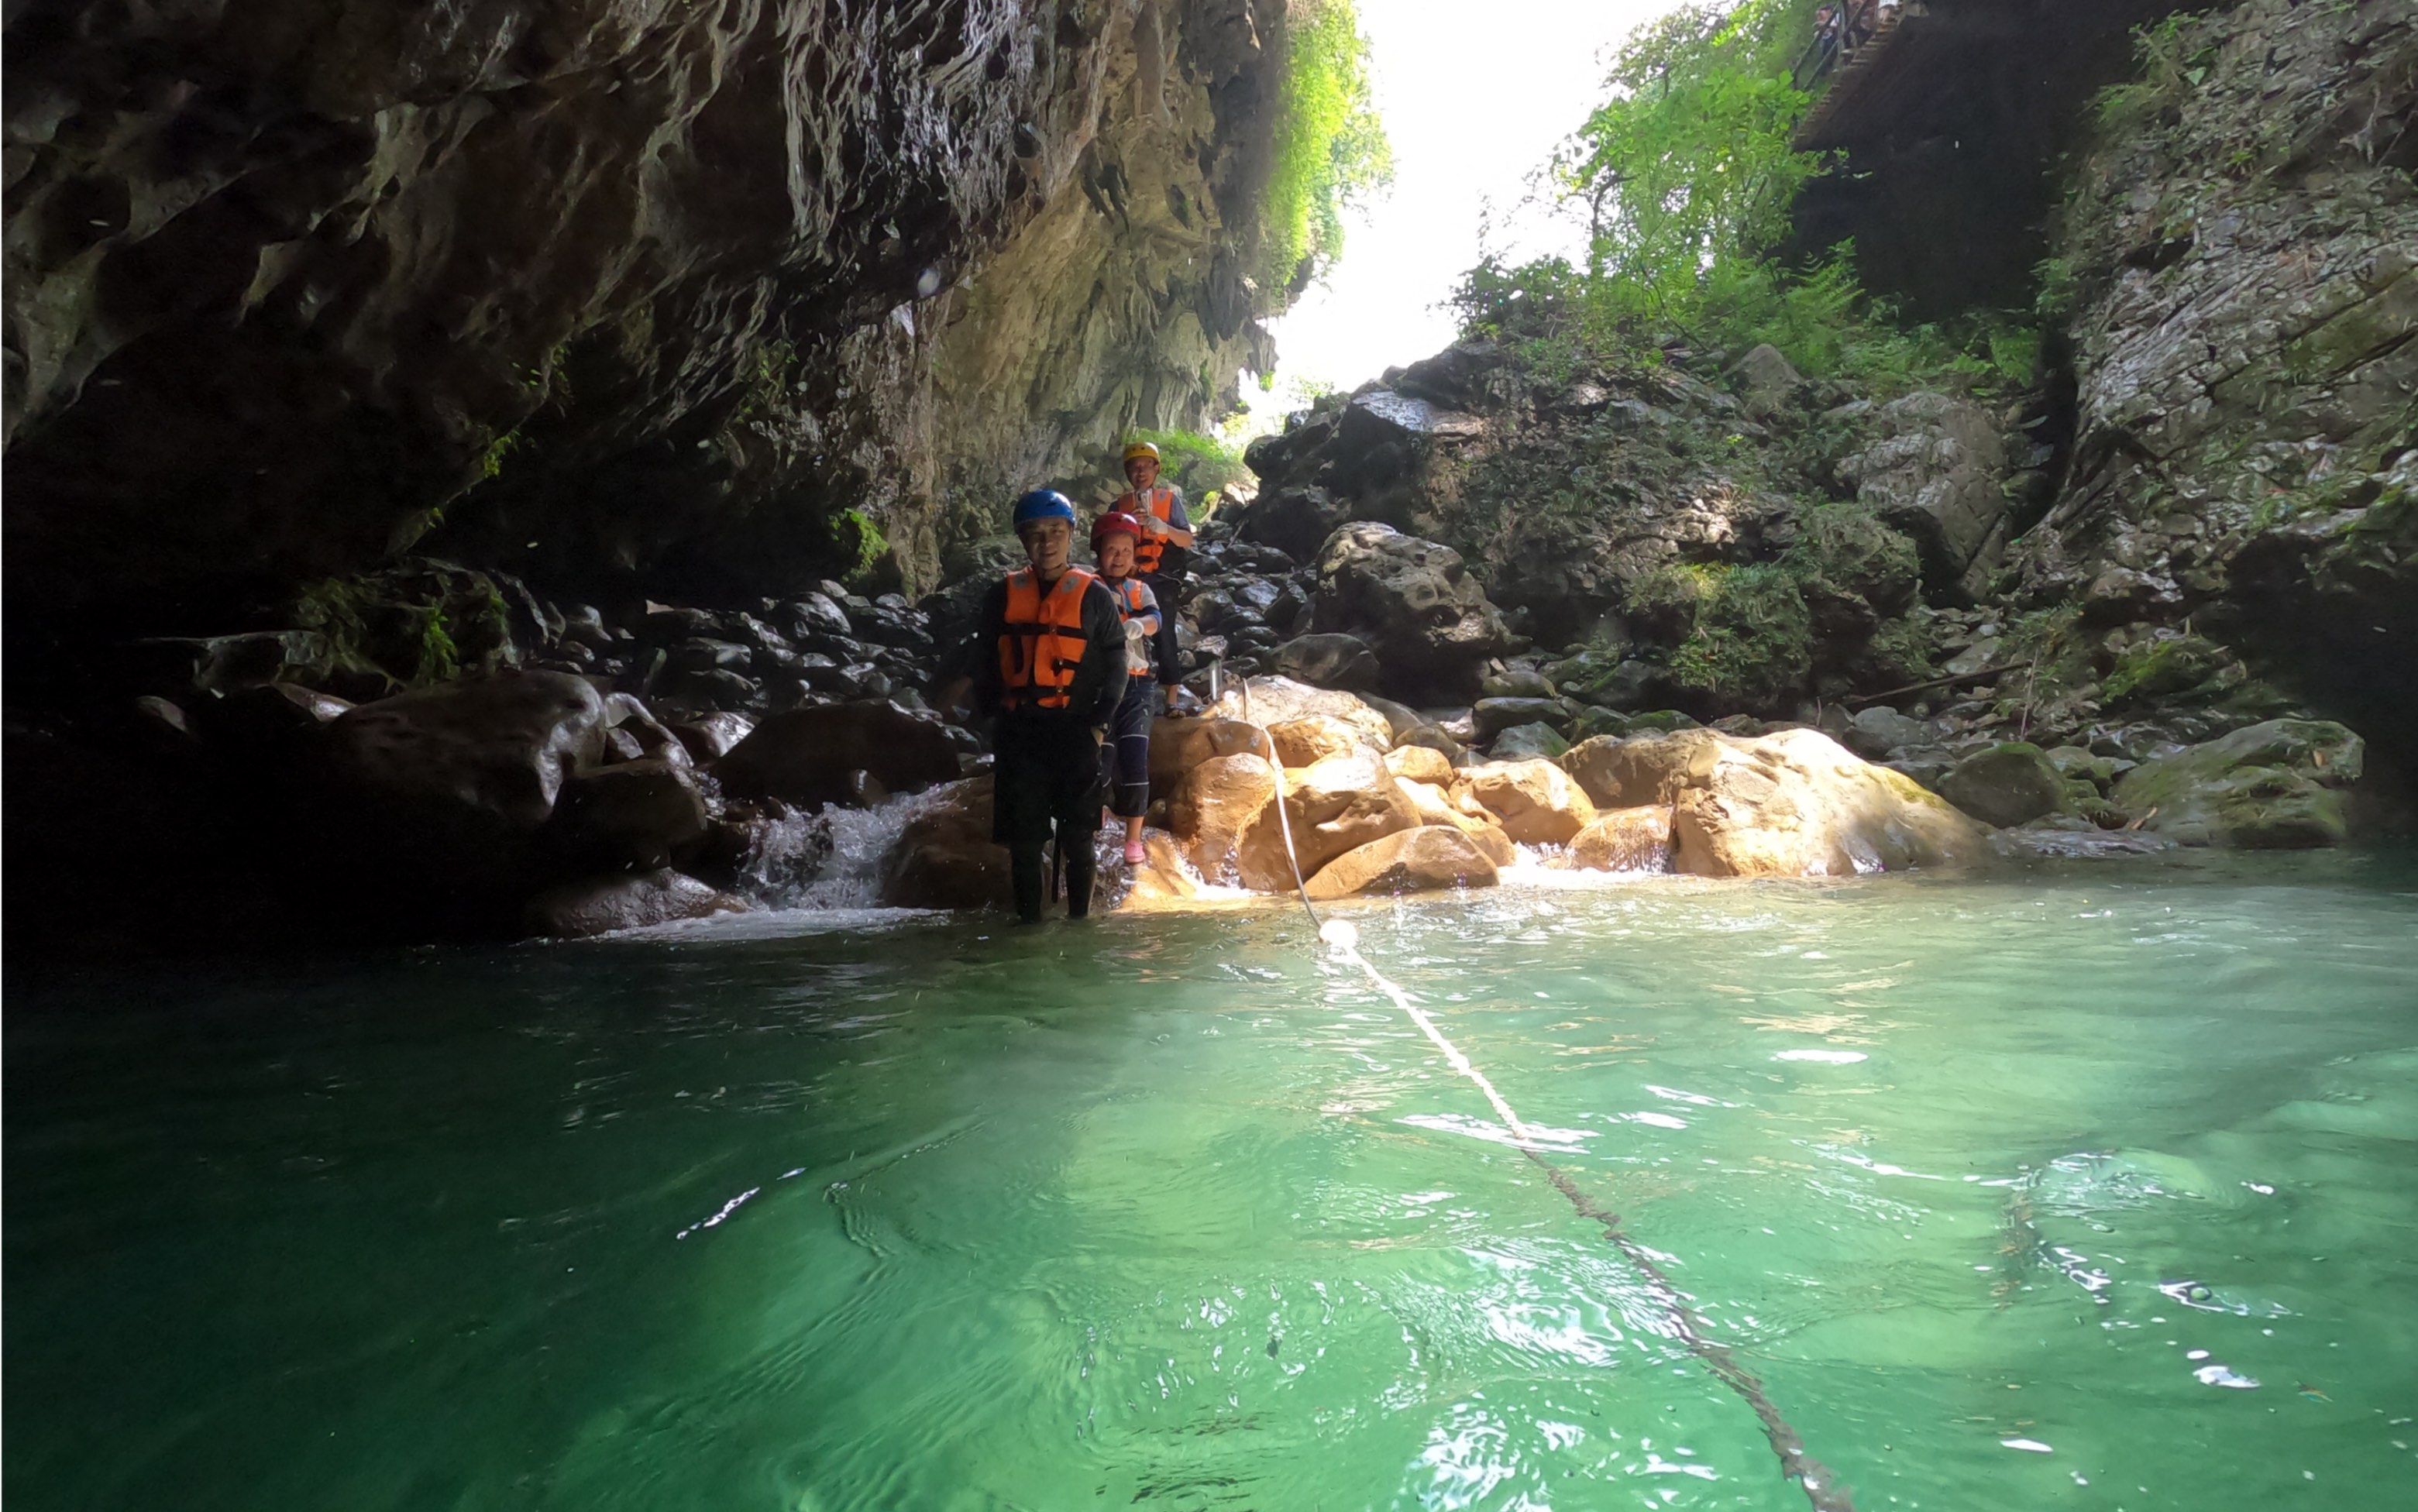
<point x="1049" y="665"/>
<point x="1166" y="528"/>
<point x="1862" y="20"/>
<point x="1150" y="642"/>
<point x="1826" y="39"/>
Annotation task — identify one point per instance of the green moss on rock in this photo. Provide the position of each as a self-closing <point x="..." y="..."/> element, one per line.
<point x="2276" y="786"/>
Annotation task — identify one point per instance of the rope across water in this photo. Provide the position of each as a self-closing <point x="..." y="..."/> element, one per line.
<point x="1342" y="937"/>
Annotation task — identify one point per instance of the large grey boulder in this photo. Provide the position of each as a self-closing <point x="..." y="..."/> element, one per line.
<point x="1936" y="471"/>
<point x="1415" y="603"/>
<point x="1768" y="381"/>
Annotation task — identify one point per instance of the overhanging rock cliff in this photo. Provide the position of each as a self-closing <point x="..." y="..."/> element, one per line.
<point x="610" y="292"/>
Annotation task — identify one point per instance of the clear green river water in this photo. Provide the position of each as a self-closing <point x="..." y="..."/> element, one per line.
<point x="2094" y="1190"/>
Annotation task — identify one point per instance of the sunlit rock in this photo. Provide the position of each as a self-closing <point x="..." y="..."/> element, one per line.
<point x="1430" y="857"/>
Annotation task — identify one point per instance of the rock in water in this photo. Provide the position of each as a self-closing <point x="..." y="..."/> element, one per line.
<point x="1797" y="803"/>
<point x="811" y="755"/>
<point x="945" y="858"/>
<point x="437" y="794"/>
<point x="2274" y="786"/>
<point x="1626" y="840"/>
<point x="1641" y="769"/>
<point x="1178" y="745"/>
<point x="602" y="904"/>
<point x="1341" y="802"/>
<point x="1537" y="801"/>
<point x="1215" y="804"/>
<point x="1427" y="859"/>
<point x="2006" y="784"/>
<point x="635" y="813"/>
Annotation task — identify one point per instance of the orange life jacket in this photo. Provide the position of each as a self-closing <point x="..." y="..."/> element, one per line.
<point x="1137" y="607"/>
<point x="1042" y="642"/>
<point x="1159" y="503"/>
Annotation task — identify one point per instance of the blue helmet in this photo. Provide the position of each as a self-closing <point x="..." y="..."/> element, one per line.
<point x="1043" y="504"/>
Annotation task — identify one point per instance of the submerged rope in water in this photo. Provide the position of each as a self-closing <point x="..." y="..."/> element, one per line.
<point x="1820" y="1486"/>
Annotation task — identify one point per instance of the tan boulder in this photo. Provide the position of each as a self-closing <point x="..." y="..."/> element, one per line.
<point x="1159" y="883"/>
<point x="1419" y="763"/>
<point x="1643" y="769"/>
<point x="1341" y="802"/>
<point x="1273" y="701"/>
<point x="1215" y="804"/>
<point x="1798" y="803"/>
<point x="1312" y="739"/>
<point x="1434" y="807"/>
<point x="945" y="858"/>
<point x="1178" y="745"/>
<point x="1537" y="801"/>
<point x="1626" y="840"/>
<point x="1429" y="858"/>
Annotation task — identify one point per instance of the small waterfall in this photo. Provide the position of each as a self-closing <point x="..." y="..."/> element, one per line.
<point x="831" y="860"/>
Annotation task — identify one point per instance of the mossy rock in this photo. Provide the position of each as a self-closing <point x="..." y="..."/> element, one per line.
<point x="2271" y="786"/>
<point x="2009" y="784"/>
<point x="411" y="625"/>
<point x="1748" y="637"/>
<point x="1522" y="741"/>
<point x="2164" y="669"/>
<point x="1845" y="549"/>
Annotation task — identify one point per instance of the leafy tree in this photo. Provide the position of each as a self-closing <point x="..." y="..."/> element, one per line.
<point x="1331" y="151"/>
<point x="1687" y="168"/>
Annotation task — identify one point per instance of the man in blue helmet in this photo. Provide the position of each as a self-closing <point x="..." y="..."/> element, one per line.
<point x="1048" y="665"/>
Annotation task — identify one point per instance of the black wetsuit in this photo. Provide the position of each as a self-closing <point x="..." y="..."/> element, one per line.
<point x="1046" y="771"/>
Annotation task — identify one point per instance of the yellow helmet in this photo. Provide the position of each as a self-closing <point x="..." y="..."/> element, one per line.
<point x="1141" y="449"/>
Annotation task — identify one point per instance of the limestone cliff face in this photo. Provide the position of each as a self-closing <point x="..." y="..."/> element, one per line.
<point x="2244" y="252"/>
<point x="615" y="291"/>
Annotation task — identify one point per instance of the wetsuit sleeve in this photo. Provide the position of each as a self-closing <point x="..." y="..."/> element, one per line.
<point x="979" y="657"/>
<point x="1100" y="682"/>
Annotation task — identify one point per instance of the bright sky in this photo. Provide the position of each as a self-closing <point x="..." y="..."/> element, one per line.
<point x="1475" y="99"/>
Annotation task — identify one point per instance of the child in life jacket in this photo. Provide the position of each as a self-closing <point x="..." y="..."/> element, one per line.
<point x="1150" y="643"/>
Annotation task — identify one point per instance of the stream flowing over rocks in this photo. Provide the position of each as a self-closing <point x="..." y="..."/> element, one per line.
<point x="529" y="478"/>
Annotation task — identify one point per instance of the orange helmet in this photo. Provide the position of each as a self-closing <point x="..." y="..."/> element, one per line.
<point x="1114" y="523"/>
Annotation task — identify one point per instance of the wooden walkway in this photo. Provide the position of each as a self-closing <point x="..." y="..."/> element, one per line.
<point x="1853" y="81"/>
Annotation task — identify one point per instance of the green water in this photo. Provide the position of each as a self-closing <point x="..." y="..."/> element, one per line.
<point x="1173" y="1213"/>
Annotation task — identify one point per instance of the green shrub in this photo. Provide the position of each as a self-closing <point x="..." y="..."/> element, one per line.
<point x="1331" y="150"/>
<point x="860" y="542"/>
<point x="1737" y="632"/>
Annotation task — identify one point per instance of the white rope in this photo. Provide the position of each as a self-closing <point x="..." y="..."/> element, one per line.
<point x="1342" y="937"/>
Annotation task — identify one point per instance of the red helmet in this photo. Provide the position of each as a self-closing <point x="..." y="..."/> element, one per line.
<point x="1115" y="522"/>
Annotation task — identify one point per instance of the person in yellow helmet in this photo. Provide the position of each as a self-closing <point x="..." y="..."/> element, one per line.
<point x="1166" y="528"/>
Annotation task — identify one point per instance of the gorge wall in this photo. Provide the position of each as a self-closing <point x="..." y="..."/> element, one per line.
<point x="625" y="296"/>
